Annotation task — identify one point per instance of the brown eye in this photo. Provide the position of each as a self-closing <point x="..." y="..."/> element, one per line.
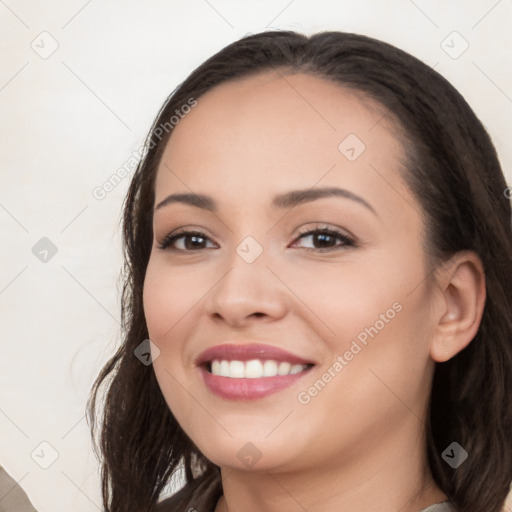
<point x="325" y="239"/>
<point x="193" y="241"/>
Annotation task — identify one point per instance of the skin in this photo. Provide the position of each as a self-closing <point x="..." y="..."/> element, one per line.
<point x="359" y="444"/>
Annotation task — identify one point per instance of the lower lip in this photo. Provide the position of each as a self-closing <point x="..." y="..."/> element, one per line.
<point x="248" y="389"/>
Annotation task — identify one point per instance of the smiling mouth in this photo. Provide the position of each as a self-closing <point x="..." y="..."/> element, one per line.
<point x="253" y="368"/>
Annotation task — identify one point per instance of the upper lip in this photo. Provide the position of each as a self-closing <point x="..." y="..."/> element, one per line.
<point x="237" y="352"/>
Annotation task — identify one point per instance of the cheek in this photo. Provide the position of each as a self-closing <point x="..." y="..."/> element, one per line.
<point x="166" y="300"/>
<point x="340" y="298"/>
<point x="170" y="302"/>
<point x="168" y="296"/>
<point x="376" y="313"/>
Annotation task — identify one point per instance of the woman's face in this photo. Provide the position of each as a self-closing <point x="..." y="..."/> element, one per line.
<point x="352" y="303"/>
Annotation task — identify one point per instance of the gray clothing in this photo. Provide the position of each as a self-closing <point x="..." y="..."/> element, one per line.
<point x="439" y="507"/>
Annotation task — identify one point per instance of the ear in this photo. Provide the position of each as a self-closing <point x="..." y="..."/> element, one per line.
<point x="461" y="303"/>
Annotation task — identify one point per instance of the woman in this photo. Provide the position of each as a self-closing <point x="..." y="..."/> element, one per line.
<point x="318" y="246"/>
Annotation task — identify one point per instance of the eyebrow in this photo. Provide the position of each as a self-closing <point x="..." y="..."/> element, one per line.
<point x="281" y="201"/>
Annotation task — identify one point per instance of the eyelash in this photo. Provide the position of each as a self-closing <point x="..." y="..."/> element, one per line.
<point x="182" y="233"/>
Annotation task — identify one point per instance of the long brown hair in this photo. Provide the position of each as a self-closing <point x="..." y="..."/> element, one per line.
<point x="453" y="172"/>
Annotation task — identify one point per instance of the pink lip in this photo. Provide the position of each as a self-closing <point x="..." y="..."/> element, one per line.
<point x="247" y="389"/>
<point x="233" y="352"/>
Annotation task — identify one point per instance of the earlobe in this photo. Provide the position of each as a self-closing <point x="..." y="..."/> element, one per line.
<point x="462" y="300"/>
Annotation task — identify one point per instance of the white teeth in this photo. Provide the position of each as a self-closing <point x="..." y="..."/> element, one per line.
<point x="236" y="369"/>
<point x="284" y="368"/>
<point x="296" y="368"/>
<point x="224" y="368"/>
<point x="269" y="369"/>
<point x="254" y="368"/>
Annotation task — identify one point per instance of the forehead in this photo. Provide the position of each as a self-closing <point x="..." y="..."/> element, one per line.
<point x="280" y="131"/>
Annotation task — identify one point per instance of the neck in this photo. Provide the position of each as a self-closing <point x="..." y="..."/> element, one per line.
<point x="389" y="478"/>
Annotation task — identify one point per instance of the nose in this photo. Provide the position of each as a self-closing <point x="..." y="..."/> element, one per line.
<point x="248" y="292"/>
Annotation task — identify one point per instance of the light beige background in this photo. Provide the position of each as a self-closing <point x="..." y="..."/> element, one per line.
<point x="69" y="120"/>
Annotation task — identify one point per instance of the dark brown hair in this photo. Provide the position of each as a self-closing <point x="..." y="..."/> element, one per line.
<point x="453" y="172"/>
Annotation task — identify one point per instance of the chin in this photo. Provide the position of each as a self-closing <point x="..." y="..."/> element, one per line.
<point x="248" y="452"/>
